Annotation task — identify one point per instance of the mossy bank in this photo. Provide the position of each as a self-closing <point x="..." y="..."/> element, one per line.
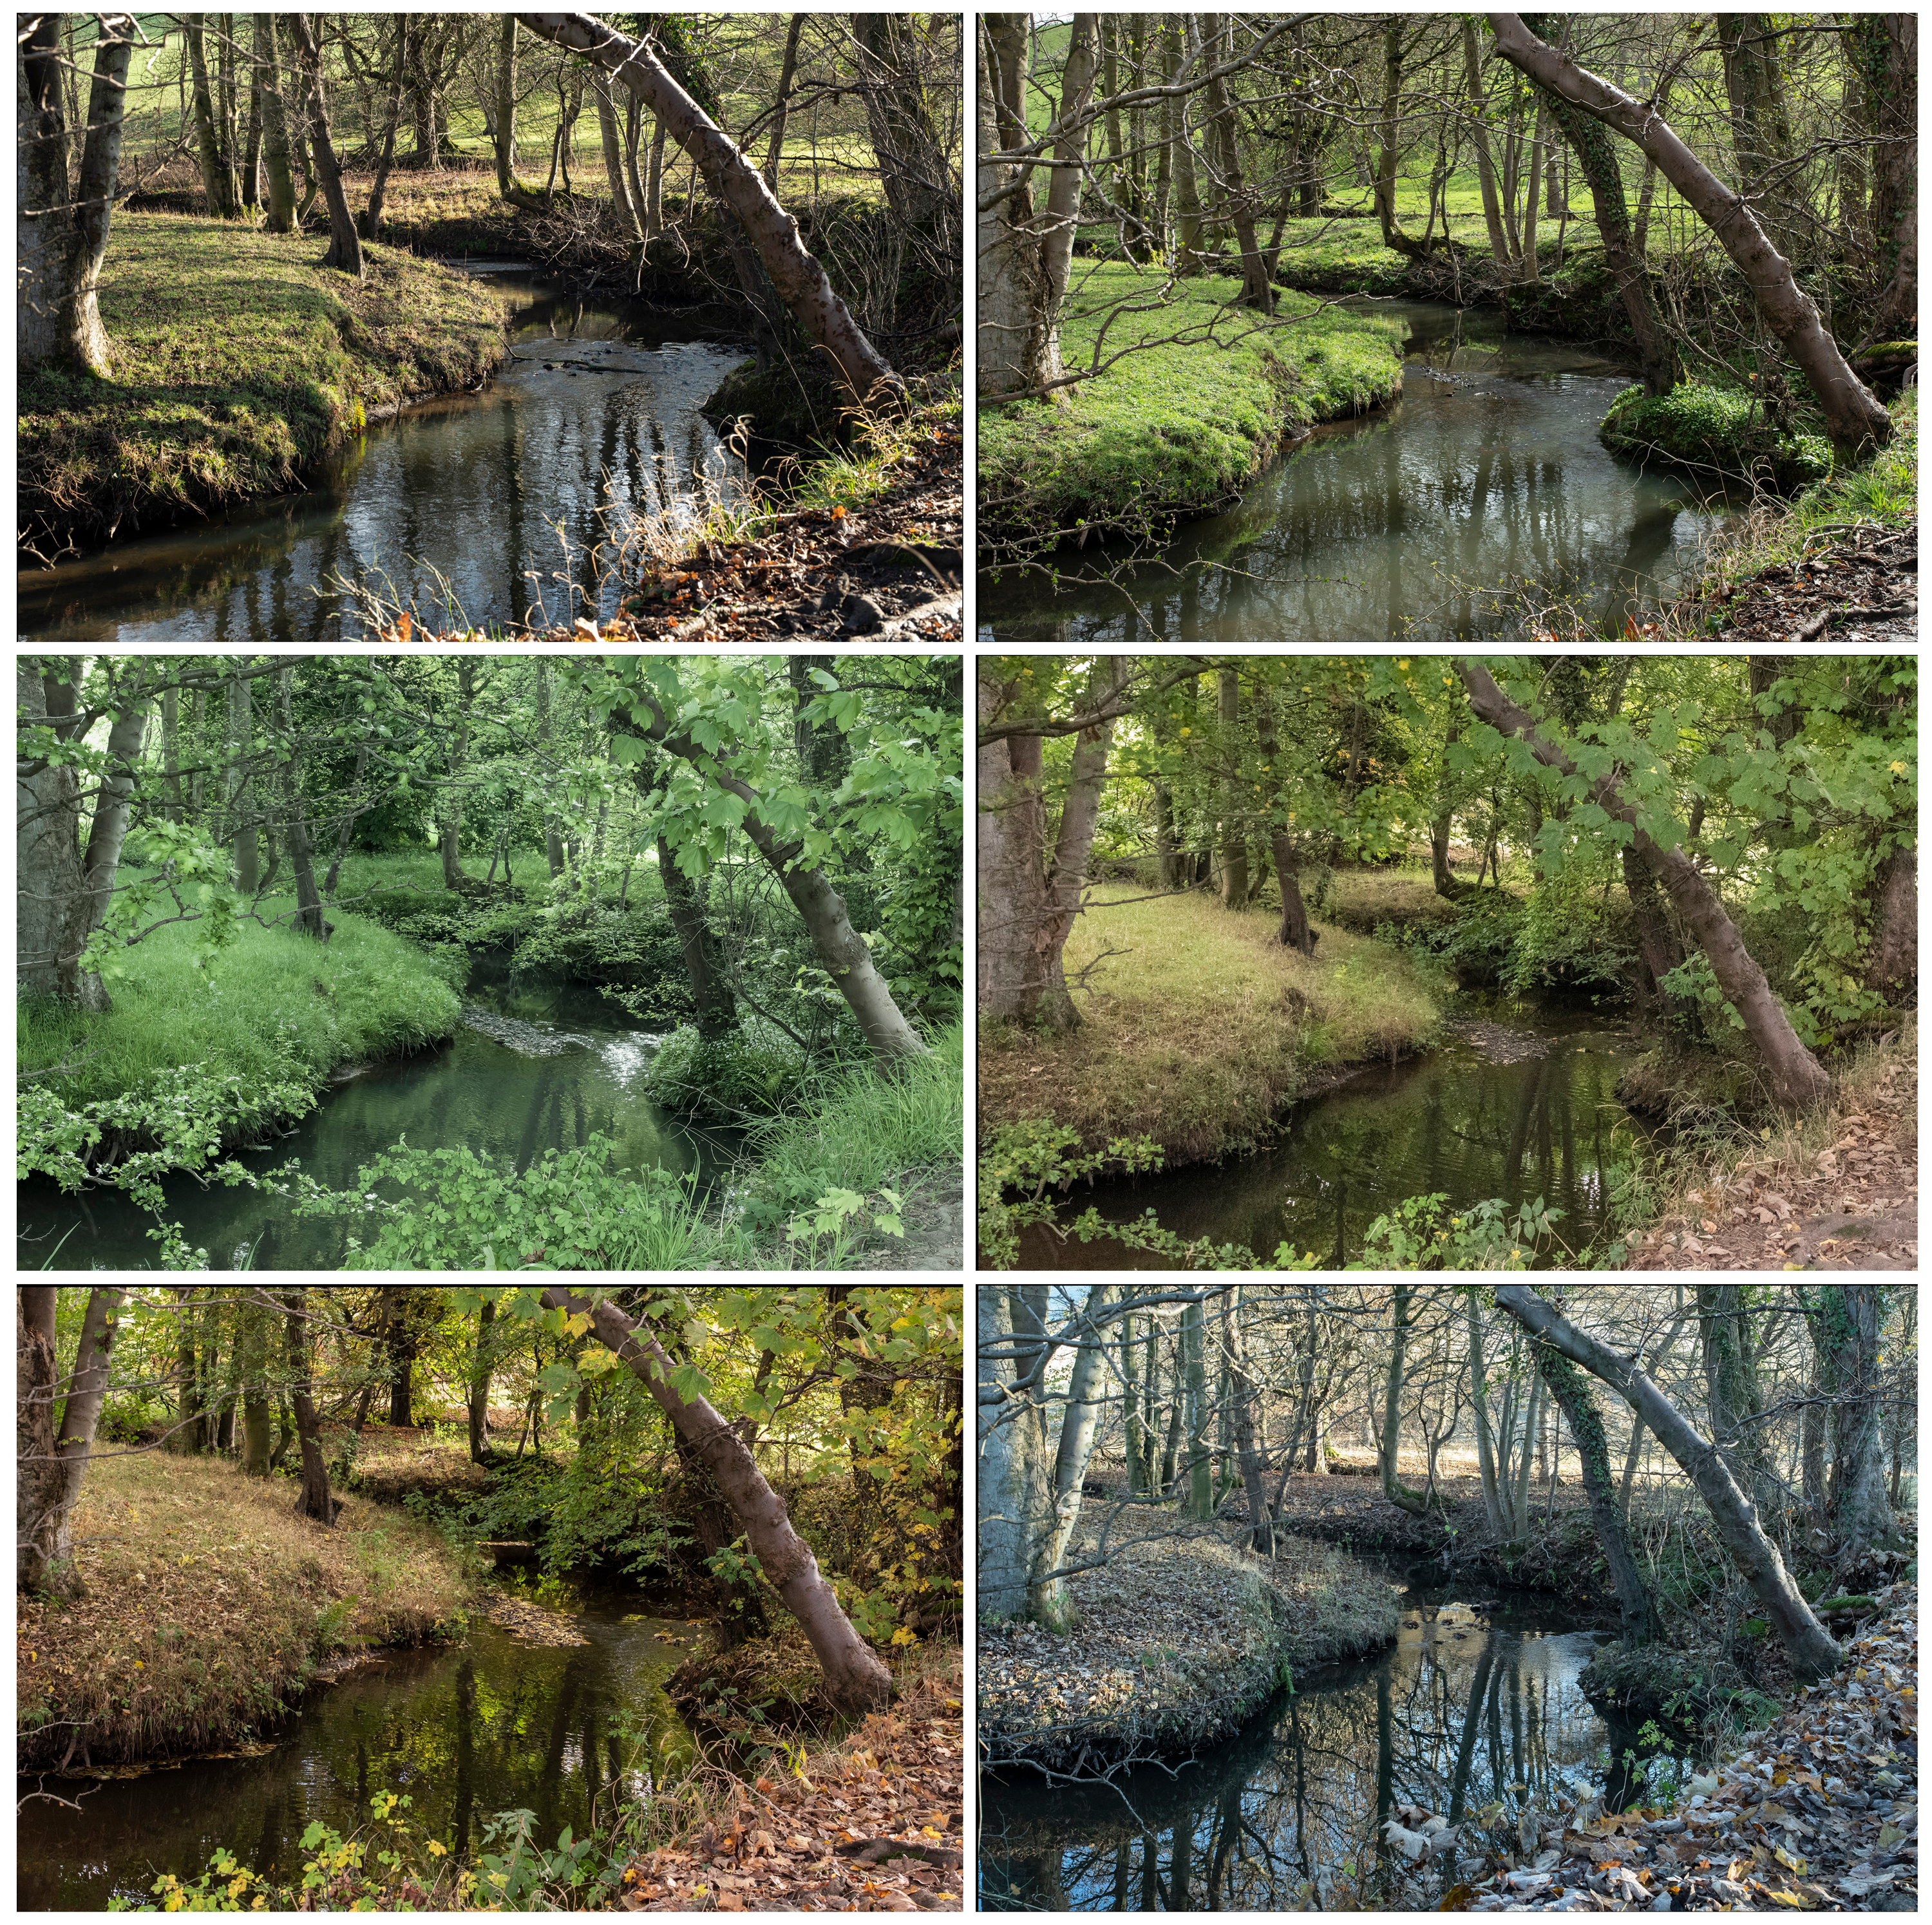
<point x="1184" y="427"/>
<point x="237" y="361"/>
<point x="209" y="1605"/>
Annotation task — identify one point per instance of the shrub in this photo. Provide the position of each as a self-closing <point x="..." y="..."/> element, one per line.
<point x="755" y="1071"/>
<point x="1712" y="432"/>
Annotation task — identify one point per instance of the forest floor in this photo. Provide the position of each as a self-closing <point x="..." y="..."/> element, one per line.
<point x="1838" y="1190"/>
<point x="209" y="1604"/>
<point x="934" y="1215"/>
<point x="874" y="1821"/>
<point x="237" y="360"/>
<point x="1199" y="1025"/>
<point x="1816" y="1812"/>
<point x="872" y="551"/>
<point x="1176" y="1641"/>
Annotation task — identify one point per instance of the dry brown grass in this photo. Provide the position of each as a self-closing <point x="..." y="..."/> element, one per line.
<point x="208" y="1603"/>
<point x="1198" y="1026"/>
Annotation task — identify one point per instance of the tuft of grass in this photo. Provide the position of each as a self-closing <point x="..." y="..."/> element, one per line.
<point x="208" y="1603"/>
<point x="1202" y="1030"/>
<point x="236" y="358"/>
<point x="268" y="995"/>
<point x="1713" y="433"/>
<point x="1180" y="429"/>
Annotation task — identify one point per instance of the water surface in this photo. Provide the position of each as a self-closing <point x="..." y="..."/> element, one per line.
<point x="491" y="1724"/>
<point x="1542" y="1121"/>
<point x="1476" y="1703"/>
<point x="474" y="1091"/>
<point x="1487" y="471"/>
<point x="469" y="508"/>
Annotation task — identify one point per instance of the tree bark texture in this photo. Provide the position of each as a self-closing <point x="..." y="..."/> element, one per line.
<point x="281" y="218"/>
<point x="740" y="189"/>
<point x="51" y="1464"/>
<point x="345" y="244"/>
<point x="1855" y="418"/>
<point x="1079" y="1426"/>
<point x="1797" y="1078"/>
<point x="855" y="1680"/>
<point x="312" y="1501"/>
<point x="52" y="903"/>
<point x="1812" y="1652"/>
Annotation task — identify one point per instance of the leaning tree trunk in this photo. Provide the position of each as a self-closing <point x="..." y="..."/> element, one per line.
<point x="313" y="1500"/>
<point x="855" y="1681"/>
<point x="740" y="189"/>
<point x="51" y="1466"/>
<point x="1078" y="1427"/>
<point x="1797" y="1078"/>
<point x="345" y="244"/>
<point x="1854" y="416"/>
<point x="1572" y="1393"/>
<point x="1812" y="1652"/>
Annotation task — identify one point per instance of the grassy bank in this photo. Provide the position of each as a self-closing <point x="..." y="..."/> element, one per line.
<point x="1198" y="1035"/>
<point x="237" y="359"/>
<point x="1182" y="428"/>
<point x="208" y="1605"/>
<point x="1172" y="1644"/>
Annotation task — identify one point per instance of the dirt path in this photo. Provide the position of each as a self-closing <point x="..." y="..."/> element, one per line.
<point x="1852" y="1206"/>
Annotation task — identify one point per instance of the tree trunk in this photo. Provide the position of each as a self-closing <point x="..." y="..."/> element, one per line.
<point x="1233" y="833"/>
<point x="1854" y="416"/>
<point x="1027" y="905"/>
<point x="379" y="185"/>
<point x="53" y="905"/>
<point x="1812" y="1652"/>
<point x="775" y="152"/>
<point x="1247" y="1453"/>
<point x="1485" y="171"/>
<point x="1886" y="49"/>
<point x="697" y="942"/>
<point x="1486" y="1460"/>
<point x="1016" y="1515"/>
<point x="1078" y="1426"/>
<point x="51" y="1464"/>
<point x="628" y="220"/>
<point x="479" y="1387"/>
<point x="281" y="218"/>
<point x="309" y="919"/>
<point x="257" y="1412"/>
<point x="906" y="138"/>
<point x="1133" y="1424"/>
<point x="218" y="172"/>
<point x="241" y="833"/>
<point x="1256" y="292"/>
<point x="1730" y="1378"/>
<point x="61" y="232"/>
<point x="108" y="831"/>
<point x="1891" y="957"/>
<point x="1760" y="126"/>
<point x="1572" y="1395"/>
<point x="1200" y="1505"/>
<point x="1394" y="1489"/>
<point x="312" y="1501"/>
<point x="345" y="244"/>
<point x="1845" y="1321"/>
<point x="1796" y="1077"/>
<point x="800" y="282"/>
<point x="855" y="1681"/>
<point x="1658" y="947"/>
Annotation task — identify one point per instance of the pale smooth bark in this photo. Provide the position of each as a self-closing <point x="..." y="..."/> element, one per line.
<point x="1078" y="1426"/>
<point x="1812" y="1652"/>
<point x="1015" y="1512"/>
<point x="51" y="1464"/>
<point x="218" y="170"/>
<point x="1234" y="817"/>
<point x="62" y="230"/>
<point x="628" y="218"/>
<point x="1479" y="138"/>
<point x="1017" y="347"/>
<point x="109" y="830"/>
<point x="51" y="902"/>
<point x="856" y="1681"/>
<point x="775" y="152"/>
<point x="1485" y="1458"/>
<point x="1394" y="1489"/>
<point x="1856" y="419"/>
<point x="257" y="1412"/>
<point x="479" y="1386"/>
<point x="1797" y="1078"/>
<point x="1200" y="1504"/>
<point x="281" y="217"/>
<point x="798" y="279"/>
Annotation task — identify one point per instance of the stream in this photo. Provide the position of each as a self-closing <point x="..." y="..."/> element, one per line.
<point x="1488" y="469"/>
<point x="1476" y="1702"/>
<point x="536" y="1066"/>
<point x="459" y="507"/>
<point x="1519" y="1102"/>
<point x="491" y="1724"/>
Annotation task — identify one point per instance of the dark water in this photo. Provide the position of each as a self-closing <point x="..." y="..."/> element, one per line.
<point x="1465" y="484"/>
<point x="1453" y="1121"/>
<point x="490" y="1726"/>
<point x="472" y="1090"/>
<point x="470" y="488"/>
<point x="1469" y="1707"/>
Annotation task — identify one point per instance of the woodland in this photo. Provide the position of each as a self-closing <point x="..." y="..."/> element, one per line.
<point x="252" y="241"/>
<point x="590" y="962"/>
<point x="549" y="1600"/>
<point x="1644" y="928"/>
<point x="1205" y="236"/>
<point x="1448" y="1597"/>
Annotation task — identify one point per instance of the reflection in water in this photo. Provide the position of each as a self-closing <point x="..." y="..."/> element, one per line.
<point x="1487" y="471"/>
<point x="1468" y="1708"/>
<point x="455" y="508"/>
<point x="492" y="1725"/>
<point x="473" y="1091"/>
<point x="1452" y="1122"/>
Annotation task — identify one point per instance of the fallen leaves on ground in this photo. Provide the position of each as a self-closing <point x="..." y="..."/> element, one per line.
<point x="1816" y="1813"/>
<point x="531" y="1622"/>
<point x="876" y="1825"/>
<point x="1853" y="1205"/>
<point x="1862" y="590"/>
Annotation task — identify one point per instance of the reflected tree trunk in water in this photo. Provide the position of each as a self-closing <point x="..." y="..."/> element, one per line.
<point x="1466" y="1754"/>
<point x="465" y="1755"/>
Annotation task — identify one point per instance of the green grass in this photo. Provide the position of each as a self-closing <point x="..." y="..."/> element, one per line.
<point x="236" y="357"/>
<point x="1202" y="1030"/>
<point x="1178" y="429"/>
<point x="267" y="995"/>
<point x="861" y="1130"/>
